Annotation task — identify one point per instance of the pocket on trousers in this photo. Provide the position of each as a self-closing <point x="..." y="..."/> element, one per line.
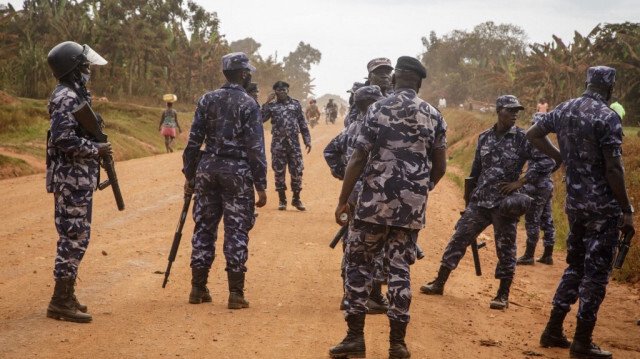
<point x="74" y="204"/>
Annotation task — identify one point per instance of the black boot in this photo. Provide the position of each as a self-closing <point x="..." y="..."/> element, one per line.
<point x="501" y="301"/>
<point x="553" y="337"/>
<point x="62" y="305"/>
<point x="296" y="202"/>
<point x="547" y="256"/>
<point x="352" y="346"/>
<point x="437" y="285"/>
<point x="282" y="205"/>
<point x="236" y="291"/>
<point x="199" y="291"/>
<point x="81" y="307"/>
<point x="397" y="346"/>
<point x="527" y="258"/>
<point x="582" y="346"/>
<point x="377" y="303"/>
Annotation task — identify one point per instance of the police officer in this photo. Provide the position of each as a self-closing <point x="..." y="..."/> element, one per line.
<point x="353" y="111"/>
<point x="72" y="173"/>
<point x="287" y="121"/>
<point x="500" y="156"/>
<point x="228" y="121"/>
<point x="391" y="206"/>
<point x="379" y="74"/>
<point x="597" y="206"/>
<point x="337" y="154"/>
<point x="539" y="215"/>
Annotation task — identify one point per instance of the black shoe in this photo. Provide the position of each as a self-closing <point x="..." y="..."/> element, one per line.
<point x="582" y="346"/>
<point x="352" y="346"/>
<point x="553" y="336"/>
<point x="527" y="257"/>
<point x="397" y="346"/>
<point x="282" y="203"/>
<point x="199" y="291"/>
<point x="377" y="303"/>
<point x="436" y="287"/>
<point x="81" y="307"/>
<point x="297" y="203"/>
<point x="501" y="301"/>
<point x="236" y="291"/>
<point x="547" y="256"/>
<point x="62" y="306"/>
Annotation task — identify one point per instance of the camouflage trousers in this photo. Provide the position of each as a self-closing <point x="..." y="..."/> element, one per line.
<point x="218" y="195"/>
<point x="540" y="217"/>
<point x="283" y="156"/>
<point x="591" y="250"/>
<point x="73" y="223"/>
<point x="366" y="242"/>
<point x="475" y="220"/>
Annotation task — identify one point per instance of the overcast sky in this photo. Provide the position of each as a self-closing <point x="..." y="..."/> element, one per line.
<point x="349" y="33"/>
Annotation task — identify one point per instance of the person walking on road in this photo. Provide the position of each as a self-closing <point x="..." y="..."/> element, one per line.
<point x="168" y="124"/>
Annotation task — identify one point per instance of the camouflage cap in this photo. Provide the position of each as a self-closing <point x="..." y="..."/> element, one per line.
<point x="508" y="101"/>
<point x="366" y="93"/>
<point x="601" y="75"/>
<point x="409" y="63"/>
<point x="236" y="61"/>
<point x="378" y="62"/>
<point x="355" y="87"/>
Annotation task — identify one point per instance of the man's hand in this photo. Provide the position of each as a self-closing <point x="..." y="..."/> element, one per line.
<point x="626" y="226"/>
<point x="188" y="190"/>
<point x="341" y="211"/>
<point x="308" y="147"/>
<point x="104" y="149"/>
<point x="271" y="97"/>
<point x="508" y="187"/>
<point x="262" y="199"/>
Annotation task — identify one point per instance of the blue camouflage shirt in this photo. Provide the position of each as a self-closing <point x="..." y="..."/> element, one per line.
<point x="287" y="121"/>
<point x="339" y="150"/>
<point x="399" y="133"/>
<point x="501" y="160"/>
<point x="587" y="131"/>
<point x="229" y="122"/>
<point x="72" y="159"/>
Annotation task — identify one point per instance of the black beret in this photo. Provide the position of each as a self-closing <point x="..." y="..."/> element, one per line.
<point x="280" y="84"/>
<point x="411" y="64"/>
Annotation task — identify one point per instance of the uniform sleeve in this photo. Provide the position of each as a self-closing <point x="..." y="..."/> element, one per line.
<point x="304" y="129"/>
<point x="548" y="121"/>
<point x="196" y="137"/>
<point x="254" y="140"/>
<point x="64" y="133"/>
<point x="609" y="135"/>
<point x="368" y="132"/>
<point x="266" y="112"/>
<point x="335" y="153"/>
<point x="476" y="166"/>
<point x="440" y="141"/>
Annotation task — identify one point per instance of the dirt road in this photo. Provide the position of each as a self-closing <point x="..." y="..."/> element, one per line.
<point x="293" y="281"/>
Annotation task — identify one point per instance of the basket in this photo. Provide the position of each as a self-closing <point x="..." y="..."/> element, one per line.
<point x="169" y="98"/>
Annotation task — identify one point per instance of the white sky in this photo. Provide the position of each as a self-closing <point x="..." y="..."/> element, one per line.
<point x="349" y="33"/>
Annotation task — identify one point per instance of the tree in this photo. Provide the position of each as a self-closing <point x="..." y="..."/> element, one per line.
<point x="296" y="68"/>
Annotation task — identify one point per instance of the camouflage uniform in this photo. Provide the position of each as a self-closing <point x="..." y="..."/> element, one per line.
<point x="539" y="216"/>
<point x="587" y="129"/>
<point x="496" y="161"/>
<point x="287" y="121"/>
<point x="72" y="175"/>
<point x="404" y="128"/>
<point x="228" y="121"/>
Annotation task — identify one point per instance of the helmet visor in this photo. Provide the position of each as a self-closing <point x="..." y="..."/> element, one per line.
<point x="92" y="57"/>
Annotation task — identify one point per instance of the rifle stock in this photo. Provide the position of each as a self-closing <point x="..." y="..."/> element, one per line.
<point x="177" y="237"/>
<point x="623" y="248"/>
<point x="469" y="185"/>
<point x="339" y="234"/>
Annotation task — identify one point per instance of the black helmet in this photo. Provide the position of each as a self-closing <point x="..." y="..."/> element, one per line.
<point x="66" y="56"/>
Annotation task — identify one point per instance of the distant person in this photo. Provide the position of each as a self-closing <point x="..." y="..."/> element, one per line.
<point x="353" y="111"/>
<point x="287" y="122"/>
<point x="167" y="126"/>
<point x="232" y="165"/>
<point x="597" y="205"/>
<point x="617" y="107"/>
<point x="252" y="91"/>
<point x="543" y="106"/>
<point x="442" y="103"/>
<point x="72" y="173"/>
<point x="331" y="110"/>
<point x="312" y="113"/>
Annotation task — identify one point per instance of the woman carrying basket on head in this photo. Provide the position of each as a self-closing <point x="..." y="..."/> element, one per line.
<point x="167" y="126"/>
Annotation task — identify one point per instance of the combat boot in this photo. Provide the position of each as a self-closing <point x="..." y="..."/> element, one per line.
<point x="199" y="291"/>
<point x="352" y="346"/>
<point x="436" y="287"/>
<point x="397" y="346"/>
<point x="81" y="307"/>
<point x="62" y="305"/>
<point x="582" y="346"/>
<point x="547" y="256"/>
<point x="296" y="202"/>
<point x="501" y="301"/>
<point x="553" y="336"/>
<point x="236" y="291"/>
<point x="377" y="303"/>
<point x="527" y="258"/>
<point x="282" y="204"/>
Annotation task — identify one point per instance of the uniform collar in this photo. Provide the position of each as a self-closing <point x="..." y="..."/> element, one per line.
<point x="229" y="85"/>
<point x="406" y="90"/>
<point x="594" y="95"/>
<point x="512" y="131"/>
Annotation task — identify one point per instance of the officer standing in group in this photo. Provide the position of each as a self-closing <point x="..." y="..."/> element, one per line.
<point x="539" y="216"/>
<point x="337" y="154"/>
<point x="590" y="138"/>
<point x="379" y="74"/>
<point x="353" y="111"/>
<point x="287" y="122"/>
<point x="500" y="156"/>
<point x="233" y="162"/>
<point x="412" y="133"/>
<point x="72" y="173"/>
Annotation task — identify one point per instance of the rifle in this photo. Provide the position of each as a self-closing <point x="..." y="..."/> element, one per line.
<point x="623" y="248"/>
<point x="92" y="124"/>
<point x="469" y="185"/>
<point x="183" y="216"/>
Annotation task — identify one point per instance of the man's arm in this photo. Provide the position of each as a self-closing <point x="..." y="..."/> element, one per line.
<point x="304" y="129"/>
<point x="539" y="140"/>
<point x="354" y="170"/>
<point x="438" y="165"/>
<point x="615" y="177"/>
